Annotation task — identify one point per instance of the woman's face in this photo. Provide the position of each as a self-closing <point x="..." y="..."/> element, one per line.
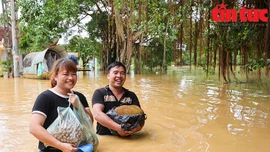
<point x="66" y="80"/>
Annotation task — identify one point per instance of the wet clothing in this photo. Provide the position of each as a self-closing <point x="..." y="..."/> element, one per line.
<point x="50" y="149"/>
<point x="47" y="103"/>
<point x="106" y="97"/>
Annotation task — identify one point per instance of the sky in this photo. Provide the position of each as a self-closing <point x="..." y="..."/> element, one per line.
<point x="64" y="39"/>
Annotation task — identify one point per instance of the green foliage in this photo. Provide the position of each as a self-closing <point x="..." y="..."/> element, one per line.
<point x="6" y="65"/>
<point x="156" y="51"/>
<point x="210" y="70"/>
<point x="86" y="48"/>
<point x="255" y="64"/>
<point x="43" y="22"/>
<point x="98" y="26"/>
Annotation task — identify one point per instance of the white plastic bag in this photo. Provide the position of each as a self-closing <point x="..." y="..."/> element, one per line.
<point x="66" y="127"/>
<point x="90" y="136"/>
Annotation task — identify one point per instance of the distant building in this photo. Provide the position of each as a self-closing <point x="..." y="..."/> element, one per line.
<point x="3" y="55"/>
<point x="2" y="34"/>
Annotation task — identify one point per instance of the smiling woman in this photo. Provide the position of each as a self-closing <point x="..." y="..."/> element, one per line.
<point x="45" y="112"/>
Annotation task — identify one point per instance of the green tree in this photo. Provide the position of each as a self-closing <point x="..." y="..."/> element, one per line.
<point x="43" y="22"/>
<point x="87" y="49"/>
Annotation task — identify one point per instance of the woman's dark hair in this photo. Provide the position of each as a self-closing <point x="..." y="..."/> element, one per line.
<point x="59" y="65"/>
<point x="115" y="64"/>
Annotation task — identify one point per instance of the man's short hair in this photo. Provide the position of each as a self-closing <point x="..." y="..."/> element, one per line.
<point x="116" y="64"/>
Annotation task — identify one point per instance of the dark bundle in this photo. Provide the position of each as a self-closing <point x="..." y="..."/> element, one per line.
<point x="128" y="116"/>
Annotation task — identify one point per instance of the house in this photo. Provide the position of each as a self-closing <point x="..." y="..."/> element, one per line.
<point x="38" y="64"/>
<point x="4" y="43"/>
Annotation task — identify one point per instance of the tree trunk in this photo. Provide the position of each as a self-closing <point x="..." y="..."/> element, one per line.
<point x="197" y="30"/>
<point x="181" y="44"/>
<point x="190" y="37"/>
<point x="164" y="64"/>
<point x="138" y="61"/>
<point x="228" y="60"/>
<point x="223" y="63"/>
<point x="201" y="33"/>
<point x="215" y="57"/>
<point x="246" y="61"/>
<point x="208" y="43"/>
<point x="267" y="42"/>
<point x="147" y="30"/>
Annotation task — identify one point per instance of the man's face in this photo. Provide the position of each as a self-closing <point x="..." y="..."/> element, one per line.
<point x="117" y="76"/>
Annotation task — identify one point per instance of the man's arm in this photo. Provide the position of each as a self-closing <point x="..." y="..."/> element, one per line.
<point x="106" y="121"/>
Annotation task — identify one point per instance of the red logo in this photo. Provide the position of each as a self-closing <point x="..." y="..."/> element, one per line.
<point x="221" y="14"/>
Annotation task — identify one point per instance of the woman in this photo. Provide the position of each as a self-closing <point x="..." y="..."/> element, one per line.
<point x="63" y="79"/>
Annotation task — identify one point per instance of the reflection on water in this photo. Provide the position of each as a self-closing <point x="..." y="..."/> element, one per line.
<point x="185" y="112"/>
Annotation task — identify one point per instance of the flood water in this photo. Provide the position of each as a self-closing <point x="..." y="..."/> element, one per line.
<point x="186" y="112"/>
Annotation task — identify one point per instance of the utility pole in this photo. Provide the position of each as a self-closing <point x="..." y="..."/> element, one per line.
<point x="15" y="53"/>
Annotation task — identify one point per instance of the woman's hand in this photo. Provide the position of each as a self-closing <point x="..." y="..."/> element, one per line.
<point x="65" y="147"/>
<point x="73" y="100"/>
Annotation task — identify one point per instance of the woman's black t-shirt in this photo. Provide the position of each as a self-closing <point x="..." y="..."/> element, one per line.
<point x="47" y="103"/>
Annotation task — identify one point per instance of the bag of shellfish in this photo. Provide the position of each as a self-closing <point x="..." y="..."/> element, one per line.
<point x="66" y="127"/>
<point x="90" y="137"/>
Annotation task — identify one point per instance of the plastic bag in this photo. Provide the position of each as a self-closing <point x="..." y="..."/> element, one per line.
<point x="74" y="126"/>
<point x="66" y="127"/>
<point x="85" y="148"/>
<point x="128" y="119"/>
<point x="88" y="130"/>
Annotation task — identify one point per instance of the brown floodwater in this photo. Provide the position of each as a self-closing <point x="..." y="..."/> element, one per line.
<point x="185" y="112"/>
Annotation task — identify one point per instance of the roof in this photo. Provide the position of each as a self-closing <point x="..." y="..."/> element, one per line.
<point x="37" y="57"/>
<point x="40" y="56"/>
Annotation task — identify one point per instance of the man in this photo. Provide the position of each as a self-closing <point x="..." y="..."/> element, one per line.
<point x="111" y="96"/>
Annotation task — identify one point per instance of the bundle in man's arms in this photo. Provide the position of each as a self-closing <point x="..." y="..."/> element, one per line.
<point x="128" y="116"/>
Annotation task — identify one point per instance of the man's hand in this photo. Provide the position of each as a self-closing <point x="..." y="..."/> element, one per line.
<point x="124" y="133"/>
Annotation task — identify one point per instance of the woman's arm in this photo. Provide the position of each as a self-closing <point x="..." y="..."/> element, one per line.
<point x="36" y="128"/>
<point x="89" y="113"/>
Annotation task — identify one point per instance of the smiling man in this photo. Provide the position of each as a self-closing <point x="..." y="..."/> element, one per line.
<point x="112" y="96"/>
